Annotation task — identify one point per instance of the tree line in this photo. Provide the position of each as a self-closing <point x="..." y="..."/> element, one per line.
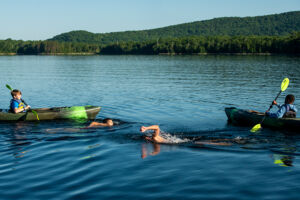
<point x="272" y="25"/>
<point x="45" y="47"/>
<point x="185" y="45"/>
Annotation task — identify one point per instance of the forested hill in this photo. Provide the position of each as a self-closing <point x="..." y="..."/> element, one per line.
<point x="271" y="25"/>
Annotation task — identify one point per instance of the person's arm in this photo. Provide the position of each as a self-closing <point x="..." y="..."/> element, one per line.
<point x="155" y="136"/>
<point x="153" y="127"/>
<point x="276" y="104"/>
<point x="18" y="110"/>
<point x="95" y="124"/>
<point x="279" y="113"/>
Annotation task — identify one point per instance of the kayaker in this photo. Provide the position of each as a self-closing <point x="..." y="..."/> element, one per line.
<point x="287" y="110"/>
<point x="16" y="104"/>
<point x="156" y="134"/>
<point x="106" y="122"/>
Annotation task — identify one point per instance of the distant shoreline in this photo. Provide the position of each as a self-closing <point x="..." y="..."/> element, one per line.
<point x="166" y="54"/>
<point x="214" y="45"/>
<point x="8" y="54"/>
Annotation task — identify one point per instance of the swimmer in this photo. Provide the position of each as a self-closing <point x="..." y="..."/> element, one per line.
<point x="106" y="123"/>
<point x="158" y="139"/>
<point x="156" y="134"/>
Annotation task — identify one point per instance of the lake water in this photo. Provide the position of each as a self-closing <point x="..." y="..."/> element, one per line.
<point x="185" y="95"/>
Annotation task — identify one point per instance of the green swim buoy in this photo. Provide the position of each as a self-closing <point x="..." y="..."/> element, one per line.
<point x="77" y="112"/>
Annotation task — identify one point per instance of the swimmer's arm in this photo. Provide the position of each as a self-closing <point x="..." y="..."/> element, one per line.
<point x="156" y="130"/>
<point x="153" y="127"/>
<point x="95" y="124"/>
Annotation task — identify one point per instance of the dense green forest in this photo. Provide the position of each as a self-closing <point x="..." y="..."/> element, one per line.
<point x="271" y="25"/>
<point x="279" y="33"/>
<point x="210" y="44"/>
<point x="185" y="45"/>
<point x="45" y="47"/>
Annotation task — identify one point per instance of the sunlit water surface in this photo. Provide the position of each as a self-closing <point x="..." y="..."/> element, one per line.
<point x="185" y="95"/>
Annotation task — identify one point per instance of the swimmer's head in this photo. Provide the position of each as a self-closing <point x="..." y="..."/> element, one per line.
<point x="108" y="121"/>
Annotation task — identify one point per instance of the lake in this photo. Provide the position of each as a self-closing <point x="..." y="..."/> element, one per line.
<point x="185" y="95"/>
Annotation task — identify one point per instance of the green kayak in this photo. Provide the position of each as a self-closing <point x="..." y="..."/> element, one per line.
<point x="250" y="118"/>
<point x="73" y="113"/>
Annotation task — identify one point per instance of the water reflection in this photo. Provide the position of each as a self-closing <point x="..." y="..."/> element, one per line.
<point x="19" y="139"/>
<point x="283" y="160"/>
<point x="284" y="156"/>
<point x="154" y="152"/>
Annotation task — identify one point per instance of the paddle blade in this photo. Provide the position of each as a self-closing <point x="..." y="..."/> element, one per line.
<point x="256" y="128"/>
<point x="35" y="113"/>
<point x="285" y="84"/>
<point x="9" y="87"/>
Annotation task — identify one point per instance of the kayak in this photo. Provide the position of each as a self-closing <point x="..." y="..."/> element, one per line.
<point x="72" y="113"/>
<point x="250" y="118"/>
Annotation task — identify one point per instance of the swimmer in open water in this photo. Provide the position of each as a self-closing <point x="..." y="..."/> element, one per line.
<point x="156" y="134"/>
<point x="106" y="123"/>
<point x="156" y="138"/>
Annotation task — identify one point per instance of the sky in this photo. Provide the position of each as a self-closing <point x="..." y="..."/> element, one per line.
<point x="41" y="19"/>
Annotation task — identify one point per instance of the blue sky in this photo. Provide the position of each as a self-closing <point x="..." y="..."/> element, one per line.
<point x="39" y="19"/>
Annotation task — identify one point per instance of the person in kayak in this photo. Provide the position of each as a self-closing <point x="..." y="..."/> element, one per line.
<point x="287" y="110"/>
<point x="16" y="104"/>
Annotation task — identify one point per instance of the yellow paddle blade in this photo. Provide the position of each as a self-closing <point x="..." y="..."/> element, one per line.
<point x="285" y="84"/>
<point x="256" y="128"/>
<point x="35" y="113"/>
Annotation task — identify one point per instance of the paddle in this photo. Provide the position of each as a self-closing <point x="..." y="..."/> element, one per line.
<point x="33" y="111"/>
<point x="284" y="85"/>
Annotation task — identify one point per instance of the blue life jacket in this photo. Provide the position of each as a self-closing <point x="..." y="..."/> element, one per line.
<point x="19" y="102"/>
